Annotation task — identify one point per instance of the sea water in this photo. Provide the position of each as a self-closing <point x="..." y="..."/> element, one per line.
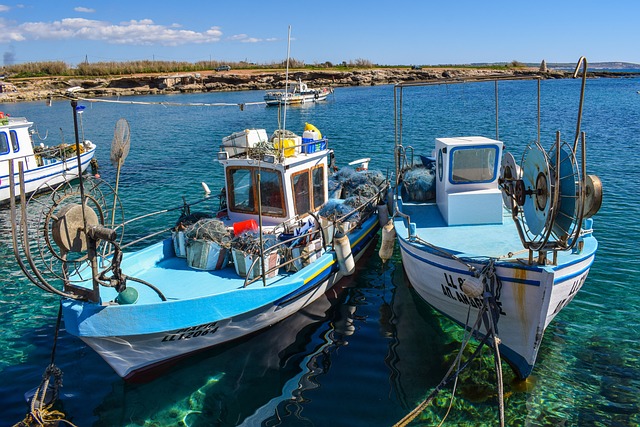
<point x="371" y="351"/>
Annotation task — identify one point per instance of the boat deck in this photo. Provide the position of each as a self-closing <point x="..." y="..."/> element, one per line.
<point x="177" y="281"/>
<point x="497" y="239"/>
<point x="475" y="241"/>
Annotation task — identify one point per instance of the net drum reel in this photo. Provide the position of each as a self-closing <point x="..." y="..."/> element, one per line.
<point x="552" y="197"/>
<point x="551" y="194"/>
<point x="60" y="236"/>
<point x="510" y="173"/>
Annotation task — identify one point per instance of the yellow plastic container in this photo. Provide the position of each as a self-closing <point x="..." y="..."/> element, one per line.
<point x="289" y="146"/>
<point x="309" y="126"/>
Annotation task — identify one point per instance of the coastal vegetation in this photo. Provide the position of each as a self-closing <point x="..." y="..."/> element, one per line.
<point x="98" y="69"/>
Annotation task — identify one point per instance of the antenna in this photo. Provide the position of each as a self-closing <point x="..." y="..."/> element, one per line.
<point x="286" y="81"/>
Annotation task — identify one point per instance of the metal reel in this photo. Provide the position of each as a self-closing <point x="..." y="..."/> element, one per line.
<point x="510" y="175"/>
<point x="536" y="195"/>
<point x="569" y="212"/>
<point x="550" y="196"/>
<point x="56" y="225"/>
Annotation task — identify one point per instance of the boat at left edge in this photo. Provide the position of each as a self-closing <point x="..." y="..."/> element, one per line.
<point x="285" y="229"/>
<point x="50" y="165"/>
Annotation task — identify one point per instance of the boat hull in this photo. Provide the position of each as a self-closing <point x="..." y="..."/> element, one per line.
<point x="123" y="343"/>
<point x="529" y="296"/>
<point x="51" y="175"/>
<point x="280" y="98"/>
<point x="130" y="356"/>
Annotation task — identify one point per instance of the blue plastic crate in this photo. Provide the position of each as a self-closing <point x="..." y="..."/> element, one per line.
<point x="312" y="145"/>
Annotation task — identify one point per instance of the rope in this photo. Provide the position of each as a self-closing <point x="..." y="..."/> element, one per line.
<point x="489" y="314"/>
<point x="173" y="104"/>
<point x="40" y="412"/>
<point x="448" y="254"/>
<point x="449" y="375"/>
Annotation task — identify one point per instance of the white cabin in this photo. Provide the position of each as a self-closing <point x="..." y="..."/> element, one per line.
<point x="291" y="186"/>
<point x="15" y="143"/>
<point x="467" y="173"/>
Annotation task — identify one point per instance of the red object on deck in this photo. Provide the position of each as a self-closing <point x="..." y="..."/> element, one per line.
<point x="244" y="226"/>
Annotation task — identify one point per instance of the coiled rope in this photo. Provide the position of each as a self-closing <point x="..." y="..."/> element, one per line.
<point x="41" y="412"/>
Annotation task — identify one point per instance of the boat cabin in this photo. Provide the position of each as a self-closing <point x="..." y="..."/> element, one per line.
<point x="291" y="185"/>
<point x="15" y="143"/>
<point x="467" y="173"/>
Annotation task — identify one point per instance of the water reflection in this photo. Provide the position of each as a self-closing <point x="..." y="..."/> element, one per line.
<point x="240" y="383"/>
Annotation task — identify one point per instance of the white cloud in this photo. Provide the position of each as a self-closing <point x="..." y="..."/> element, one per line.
<point x="237" y="37"/>
<point x="134" y="32"/>
<point x="84" y="9"/>
<point x="243" y="38"/>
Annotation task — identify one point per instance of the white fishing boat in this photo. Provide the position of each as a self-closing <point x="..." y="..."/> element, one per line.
<point x="42" y="164"/>
<point x="297" y="93"/>
<point x="483" y="237"/>
<point x="273" y="243"/>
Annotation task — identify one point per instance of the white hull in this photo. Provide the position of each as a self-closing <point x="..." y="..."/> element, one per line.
<point x="131" y="355"/>
<point x="51" y="175"/>
<point x="530" y="297"/>
<point x="297" y="99"/>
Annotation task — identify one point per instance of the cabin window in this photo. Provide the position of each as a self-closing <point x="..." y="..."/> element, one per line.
<point x="317" y="176"/>
<point x="14" y="141"/>
<point x="301" y="194"/>
<point x="240" y="190"/>
<point x="243" y="195"/>
<point x="271" y="193"/>
<point x="4" y="143"/>
<point x="473" y="164"/>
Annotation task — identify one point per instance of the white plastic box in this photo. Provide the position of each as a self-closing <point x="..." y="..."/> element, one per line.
<point x="206" y="255"/>
<point x="243" y="261"/>
<point x="237" y="143"/>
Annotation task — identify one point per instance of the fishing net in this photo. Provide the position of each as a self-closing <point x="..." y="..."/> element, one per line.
<point x="282" y="134"/>
<point x="249" y="242"/>
<point x="261" y="148"/>
<point x="335" y="189"/>
<point x="364" y="182"/>
<point x="359" y="191"/>
<point x="210" y="229"/>
<point x="336" y="209"/>
<point x="375" y="177"/>
<point x="360" y="207"/>
<point x="186" y="220"/>
<point x="419" y="184"/>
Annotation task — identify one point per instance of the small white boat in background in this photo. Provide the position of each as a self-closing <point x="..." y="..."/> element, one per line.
<point x="482" y="237"/>
<point x="51" y="165"/>
<point x="297" y="93"/>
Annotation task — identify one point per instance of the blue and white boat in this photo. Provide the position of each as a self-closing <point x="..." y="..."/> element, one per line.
<point x="479" y="232"/>
<point x="270" y="246"/>
<point x="44" y="166"/>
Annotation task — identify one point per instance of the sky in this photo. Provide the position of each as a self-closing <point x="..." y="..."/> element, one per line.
<point x="390" y="32"/>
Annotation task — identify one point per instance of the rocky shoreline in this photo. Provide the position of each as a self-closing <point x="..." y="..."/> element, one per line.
<point x="33" y="89"/>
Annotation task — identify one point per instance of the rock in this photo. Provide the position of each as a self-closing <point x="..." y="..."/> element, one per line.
<point x="44" y="88"/>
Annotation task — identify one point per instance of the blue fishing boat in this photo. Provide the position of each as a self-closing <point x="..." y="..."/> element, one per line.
<point x="272" y="242"/>
<point x="498" y="246"/>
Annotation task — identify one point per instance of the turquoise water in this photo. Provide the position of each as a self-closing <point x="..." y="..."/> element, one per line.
<point x="367" y="355"/>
